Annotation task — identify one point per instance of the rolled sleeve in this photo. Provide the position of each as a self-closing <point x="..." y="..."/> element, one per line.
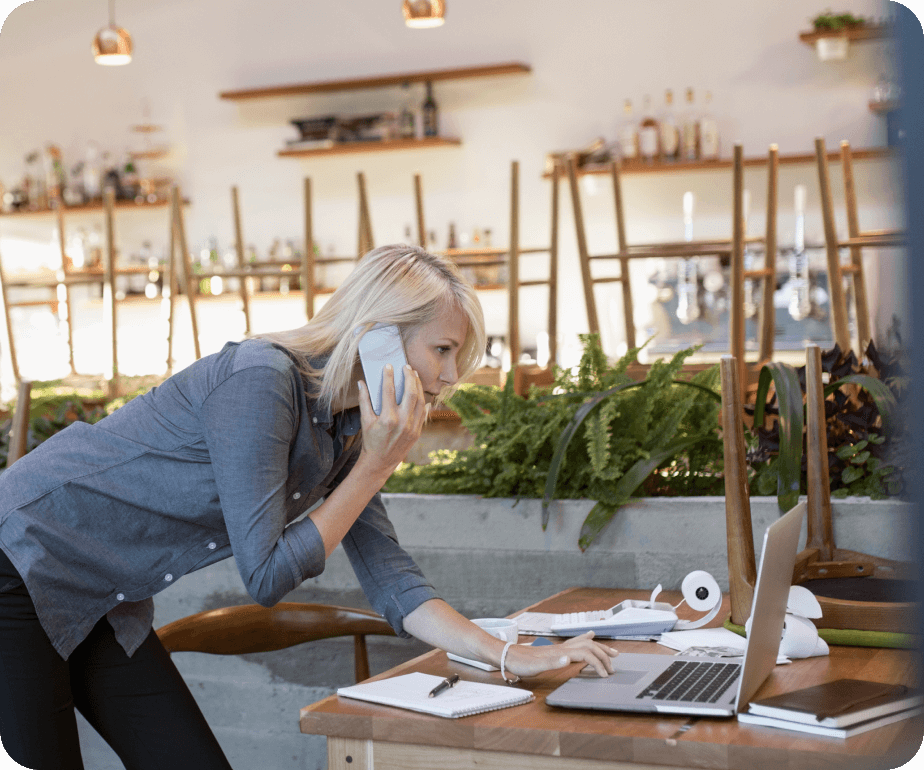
<point x="389" y="577"/>
<point x="249" y="422"/>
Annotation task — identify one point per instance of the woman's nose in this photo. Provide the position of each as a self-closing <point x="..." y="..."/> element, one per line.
<point x="450" y="373"/>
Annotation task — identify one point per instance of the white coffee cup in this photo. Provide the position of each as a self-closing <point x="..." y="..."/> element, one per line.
<point x="503" y="628"/>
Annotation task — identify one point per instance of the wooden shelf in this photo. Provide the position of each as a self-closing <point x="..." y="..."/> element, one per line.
<point x="883" y="107"/>
<point x="864" y="32"/>
<point x="89" y="208"/>
<point x="378" y="81"/>
<point x="350" y="148"/>
<point x="640" y="167"/>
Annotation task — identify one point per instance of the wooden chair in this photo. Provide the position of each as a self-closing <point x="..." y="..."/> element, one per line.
<point x="252" y="628"/>
<point x="19" y="429"/>
<point x="510" y="257"/>
<point x="829" y="572"/>
<point x="856" y="241"/>
<point x="732" y="249"/>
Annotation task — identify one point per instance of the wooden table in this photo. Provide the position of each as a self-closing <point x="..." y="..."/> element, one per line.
<point x="540" y="737"/>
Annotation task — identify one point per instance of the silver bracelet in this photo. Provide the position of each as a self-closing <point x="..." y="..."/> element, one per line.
<point x="502" y="666"/>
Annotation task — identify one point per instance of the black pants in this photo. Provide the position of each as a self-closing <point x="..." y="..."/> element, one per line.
<point x="140" y="705"/>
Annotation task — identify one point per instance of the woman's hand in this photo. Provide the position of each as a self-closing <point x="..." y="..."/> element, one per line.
<point x="389" y="436"/>
<point x="526" y="660"/>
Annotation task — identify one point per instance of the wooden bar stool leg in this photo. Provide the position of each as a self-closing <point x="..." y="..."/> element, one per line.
<point x="110" y="287"/>
<point x="553" y="271"/>
<point x="171" y="285"/>
<point x="593" y="321"/>
<point x="513" y="267"/>
<point x="742" y="569"/>
<point x="188" y="282"/>
<point x="308" y="262"/>
<point x="736" y="317"/>
<point x="241" y="259"/>
<point x="65" y="269"/>
<point x="861" y="304"/>
<point x="418" y="200"/>
<point x="767" y="318"/>
<point x="820" y="532"/>
<point x="9" y="324"/>
<point x="19" y="429"/>
<point x="366" y="242"/>
<point x="625" y="280"/>
<point x="835" y="282"/>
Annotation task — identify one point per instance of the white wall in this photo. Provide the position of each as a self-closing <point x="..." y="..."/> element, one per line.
<point x="586" y="59"/>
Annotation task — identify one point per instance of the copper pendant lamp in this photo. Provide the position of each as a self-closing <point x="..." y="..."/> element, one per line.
<point x="112" y="45"/>
<point x="420" y="14"/>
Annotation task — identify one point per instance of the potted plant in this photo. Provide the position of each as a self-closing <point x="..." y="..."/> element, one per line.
<point x="831" y="45"/>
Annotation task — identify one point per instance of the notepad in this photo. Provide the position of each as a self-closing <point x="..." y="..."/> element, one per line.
<point x="412" y="691"/>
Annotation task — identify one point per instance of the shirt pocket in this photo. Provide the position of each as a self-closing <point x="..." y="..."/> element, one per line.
<point x="9" y="585"/>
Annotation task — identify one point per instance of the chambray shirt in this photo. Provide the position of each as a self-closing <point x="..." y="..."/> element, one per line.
<point x="219" y="460"/>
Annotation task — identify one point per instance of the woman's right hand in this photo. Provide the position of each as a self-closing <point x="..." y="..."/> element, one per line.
<point x="389" y="436"/>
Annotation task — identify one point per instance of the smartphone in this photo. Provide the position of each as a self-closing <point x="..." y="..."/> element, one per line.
<point x="379" y="346"/>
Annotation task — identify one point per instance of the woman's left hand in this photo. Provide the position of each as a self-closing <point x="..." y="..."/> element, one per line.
<point x="526" y="660"/>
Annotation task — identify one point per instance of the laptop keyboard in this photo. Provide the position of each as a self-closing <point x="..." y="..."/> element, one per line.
<point x="688" y="681"/>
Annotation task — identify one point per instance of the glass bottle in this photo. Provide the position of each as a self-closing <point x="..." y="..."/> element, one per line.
<point x="648" y="134"/>
<point x="628" y="134"/>
<point x="799" y="299"/>
<point x="428" y="111"/>
<point x="670" y="134"/>
<point x="406" y="124"/>
<point x="689" y="130"/>
<point x="451" y="241"/>
<point x="708" y="133"/>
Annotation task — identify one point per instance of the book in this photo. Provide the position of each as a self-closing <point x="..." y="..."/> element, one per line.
<point x="832" y="732"/>
<point x="839" y="703"/>
<point x="412" y="691"/>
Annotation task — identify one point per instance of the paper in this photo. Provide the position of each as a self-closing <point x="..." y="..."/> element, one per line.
<point x="709" y="637"/>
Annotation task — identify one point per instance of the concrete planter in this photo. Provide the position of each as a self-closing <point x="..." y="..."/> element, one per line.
<point x="492" y="552"/>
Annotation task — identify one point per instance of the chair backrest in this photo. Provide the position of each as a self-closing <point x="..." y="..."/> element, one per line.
<point x="253" y="628"/>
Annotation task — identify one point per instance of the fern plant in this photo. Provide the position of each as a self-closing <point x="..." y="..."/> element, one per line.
<point x="595" y="433"/>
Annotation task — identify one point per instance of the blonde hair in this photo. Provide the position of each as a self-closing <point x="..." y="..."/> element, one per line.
<point x="401" y="285"/>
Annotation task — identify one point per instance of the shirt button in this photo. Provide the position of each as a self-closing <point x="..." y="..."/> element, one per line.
<point x="296" y="495"/>
<point x="120" y="597"/>
<point x="168" y="577"/>
<point x="314" y="420"/>
<point x="212" y="546"/>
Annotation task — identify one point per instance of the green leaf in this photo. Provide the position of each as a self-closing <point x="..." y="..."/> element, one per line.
<point x="846" y="452"/>
<point x="601" y="514"/>
<point x="860" y="458"/>
<point x="851" y="474"/>
<point x="881" y="394"/>
<point x="791" y="421"/>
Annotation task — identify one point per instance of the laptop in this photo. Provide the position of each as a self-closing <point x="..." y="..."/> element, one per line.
<point x="686" y="684"/>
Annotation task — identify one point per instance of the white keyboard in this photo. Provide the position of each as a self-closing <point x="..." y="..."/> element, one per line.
<point x="625" y="619"/>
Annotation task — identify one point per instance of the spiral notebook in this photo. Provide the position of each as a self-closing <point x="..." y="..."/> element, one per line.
<point x="412" y="691"/>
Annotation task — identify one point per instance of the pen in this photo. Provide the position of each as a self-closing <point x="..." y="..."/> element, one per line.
<point x="444" y="685"/>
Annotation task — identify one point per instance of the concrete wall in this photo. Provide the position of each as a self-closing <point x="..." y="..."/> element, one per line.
<point x="486" y="557"/>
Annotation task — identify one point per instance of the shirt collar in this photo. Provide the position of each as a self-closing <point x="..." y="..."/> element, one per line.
<point x="348" y="422"/>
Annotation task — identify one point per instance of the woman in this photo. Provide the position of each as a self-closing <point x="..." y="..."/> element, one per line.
<point x="217" y="461"/>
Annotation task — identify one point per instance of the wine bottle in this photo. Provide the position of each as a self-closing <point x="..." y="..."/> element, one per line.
<point x="451" y="240"/>
<point x="670" y="134"/>
<point x="689" y="130"/>
<point x="406" y="123"/>
<point x="708" y="133"/>
<point x="628" y="134"/>
<point x="648" y="135"/>
<point x="429" y="113"/>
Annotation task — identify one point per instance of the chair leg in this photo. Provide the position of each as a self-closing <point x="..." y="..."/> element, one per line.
<point x="553" y="272"/>
<point x="736" y="316"/>
<point x="835" y="282"/>
<point x="628" y="309"/>
<point x="19" y="430"/>
<point x="856" y="253"/>
<point x="767" y="311"/>
<point x="362" y="657"/>
<point x="513" y="267"/>
<point x="308" y="258"/>
<point x="241" y="259"/>
<point x="742" y="569"/>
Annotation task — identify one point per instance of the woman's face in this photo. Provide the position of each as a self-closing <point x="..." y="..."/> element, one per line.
<point x="433" y="349"/>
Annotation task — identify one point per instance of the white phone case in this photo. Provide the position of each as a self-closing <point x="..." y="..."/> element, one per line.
<point x="379" y="346"/>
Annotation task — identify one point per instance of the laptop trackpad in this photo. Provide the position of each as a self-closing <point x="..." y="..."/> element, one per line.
<point x="620" y="677"/>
